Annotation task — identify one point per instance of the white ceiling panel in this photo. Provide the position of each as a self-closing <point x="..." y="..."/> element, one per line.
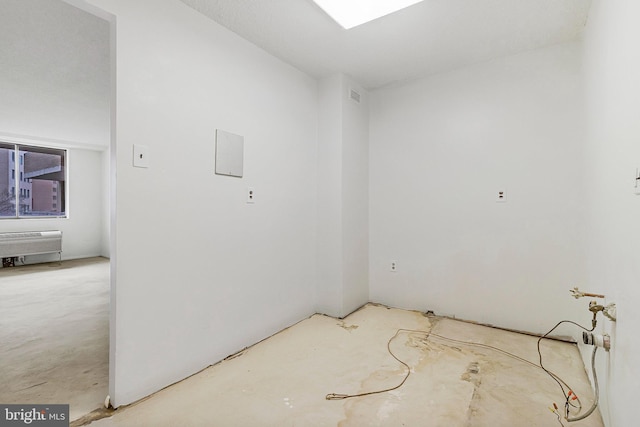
<point x="427" y="38"/>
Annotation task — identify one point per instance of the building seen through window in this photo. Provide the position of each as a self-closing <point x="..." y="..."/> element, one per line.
<point x="32" y="181"/>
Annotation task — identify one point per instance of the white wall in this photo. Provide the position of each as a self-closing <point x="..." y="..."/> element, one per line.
<point x="54" y="81"/>
<point x="198" y="273"/>
<point x="612" y="63"/>
<point x="329" y="288"/>
<point x="343" y="194"/>
<point x="441" y="149"/>
<point x="54" y="77"/>
<point x="355" y="196"/>
<point x="81" y="236"/>
<point x="105" y="231"/>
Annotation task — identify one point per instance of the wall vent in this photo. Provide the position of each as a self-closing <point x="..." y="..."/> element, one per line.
<point x="355" y="96"/>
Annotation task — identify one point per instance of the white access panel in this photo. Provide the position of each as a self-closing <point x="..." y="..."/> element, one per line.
<point x="229" y="153"/>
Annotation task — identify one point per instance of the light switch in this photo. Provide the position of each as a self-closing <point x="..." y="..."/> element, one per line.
<point x="141" y="158"/>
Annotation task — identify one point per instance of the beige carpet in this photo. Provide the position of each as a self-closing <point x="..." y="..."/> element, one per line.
<point x="54" y="330"/>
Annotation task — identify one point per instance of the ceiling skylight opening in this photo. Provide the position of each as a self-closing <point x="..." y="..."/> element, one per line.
<point x="351" y="13"/>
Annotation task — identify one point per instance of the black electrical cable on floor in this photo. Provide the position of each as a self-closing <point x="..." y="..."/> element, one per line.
<point x="566" y="395"/>
<point x="339" y="396"/>
<point x="516" y="357"/>
<point x="595" y="386"/>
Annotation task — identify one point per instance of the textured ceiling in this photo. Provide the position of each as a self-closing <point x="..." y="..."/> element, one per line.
<point x="54" y="58"/>
<point x="427" y="38"/>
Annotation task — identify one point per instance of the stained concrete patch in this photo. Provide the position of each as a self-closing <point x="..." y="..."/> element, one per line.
<point x="54" y="330"/>
<point x="283" y="380"/>
<point x="346" y="327"/>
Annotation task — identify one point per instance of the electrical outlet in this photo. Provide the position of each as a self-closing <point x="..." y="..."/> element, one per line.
<point x="636" y="189"/>
<point x="501" y="196"/>
<point x="394" y="266"/>
<point x="251" y="195"/>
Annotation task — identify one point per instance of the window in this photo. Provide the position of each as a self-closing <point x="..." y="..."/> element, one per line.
<point x="40" y="189"/>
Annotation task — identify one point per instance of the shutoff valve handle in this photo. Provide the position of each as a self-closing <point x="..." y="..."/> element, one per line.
<point x="577" y="293"/>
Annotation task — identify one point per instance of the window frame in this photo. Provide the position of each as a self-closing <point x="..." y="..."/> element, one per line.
<point x="16" y="149"/>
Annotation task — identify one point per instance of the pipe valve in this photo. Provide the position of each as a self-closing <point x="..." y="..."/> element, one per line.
<point x="603" y="341"/>
<point x="577" y="293"/>
<point x="594" y="307"/>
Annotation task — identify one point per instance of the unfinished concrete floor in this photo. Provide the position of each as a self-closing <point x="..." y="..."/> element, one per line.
<point x="54" y="334"/>
<point x="283" y="380"/>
